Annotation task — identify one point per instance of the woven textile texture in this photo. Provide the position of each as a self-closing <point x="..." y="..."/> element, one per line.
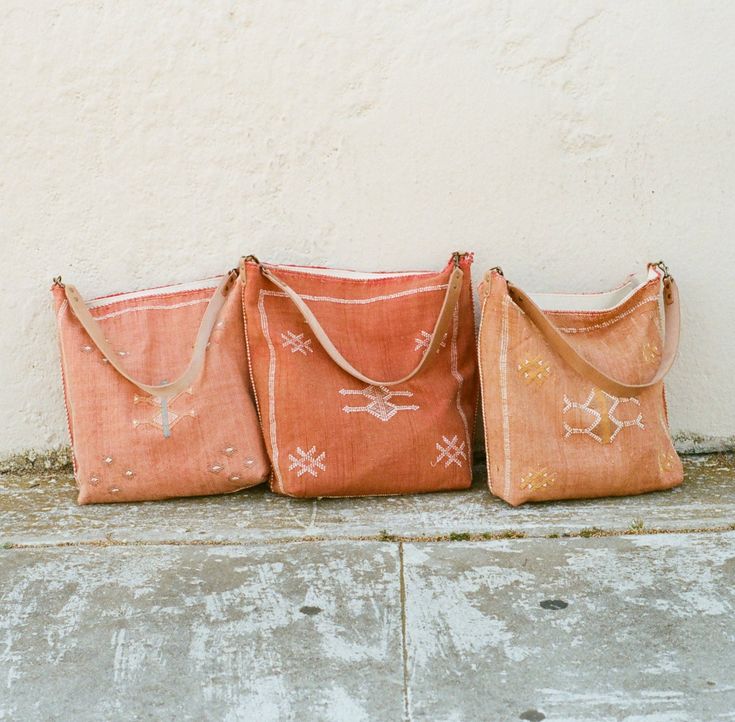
<point x="329" y="434"/>
<point x="119" y="449"/>
<point x="549" y="432"/>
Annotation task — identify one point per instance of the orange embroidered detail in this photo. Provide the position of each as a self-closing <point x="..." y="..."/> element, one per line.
<point x="536" y="480"/>
<point x="651" y="353"/>
<point x="534" y="369"/>
<point x="666" y="461"/>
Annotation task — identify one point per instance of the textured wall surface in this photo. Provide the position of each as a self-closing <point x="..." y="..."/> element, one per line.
<point x="143" y="143"/>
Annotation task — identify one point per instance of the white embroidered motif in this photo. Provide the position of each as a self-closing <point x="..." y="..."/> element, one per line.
<point x="451" y="453"/>
<point x="270" y="341"/>
<point x="296" y="342"/>
<point x="380" y="405"/>
<point x="156" y="419"/>
<point x="602" y="416"/>
<point x="424" y="339"/>
<point x="95" y="479"/>
<point x="306" y="462"/>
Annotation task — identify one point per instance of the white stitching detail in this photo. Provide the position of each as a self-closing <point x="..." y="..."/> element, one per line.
<point x="504" y="393"/>
<point x="271" y="383"/>
<point x="597" y="416"/>
<point x="272" y="354"/>
<point x="112" y="314"/>
<point x="452" y="453"/>
<point x="360" y="301"/>
<point x="306" y="462"/>
<point x="458" y="376"/>
<point x="423" y="341"/>
<point x="296" y="342"/>
<point x="379" y="402"/>
<point x="610" y="321"/>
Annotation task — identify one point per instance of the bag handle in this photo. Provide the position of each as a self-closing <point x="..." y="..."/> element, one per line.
<point x="164" y="391"/>
<point x="583" y="367"/>
<point x="454" y="287"/>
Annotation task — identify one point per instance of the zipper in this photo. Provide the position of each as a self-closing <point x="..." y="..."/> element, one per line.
<point x="158" y="291"/>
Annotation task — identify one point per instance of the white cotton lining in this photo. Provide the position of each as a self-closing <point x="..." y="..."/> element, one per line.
<point x="604" y="301"/>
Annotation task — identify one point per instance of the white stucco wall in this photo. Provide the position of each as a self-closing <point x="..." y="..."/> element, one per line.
<point x="149" y="142"/>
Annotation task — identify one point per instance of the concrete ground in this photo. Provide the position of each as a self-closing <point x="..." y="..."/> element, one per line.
<point x="435" y="607"/>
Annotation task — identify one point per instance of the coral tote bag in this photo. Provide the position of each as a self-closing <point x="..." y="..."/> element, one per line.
<point x="365" y="382"/>
<point x="572" y="389"/>
<point x="157" y="394"/>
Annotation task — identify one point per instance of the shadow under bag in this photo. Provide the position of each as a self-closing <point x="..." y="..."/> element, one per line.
<point x="365" y="382"/>
<point x="157" y="393"/>
<point x="572" y="389"/>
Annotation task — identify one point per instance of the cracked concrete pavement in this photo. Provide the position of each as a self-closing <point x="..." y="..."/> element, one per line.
<point x="437" y="607"/>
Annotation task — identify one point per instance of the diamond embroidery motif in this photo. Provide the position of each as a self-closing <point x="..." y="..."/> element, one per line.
<point x="534" y="369"/>
<point x="306" y="462"/>
<point x="156" y="418"/>
<point x="452" y="452"/>
<point x="379" y="402"/>
<point x="296" y="342"/>
<point x="604" y="425"/>
<point x="536" y="480"/>
<point x="424" y="339"/>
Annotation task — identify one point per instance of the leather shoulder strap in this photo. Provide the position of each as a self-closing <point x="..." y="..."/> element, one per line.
<point x="167" y="390"/>
<point x="443" y="322"/>
<point x="591" y="372"/>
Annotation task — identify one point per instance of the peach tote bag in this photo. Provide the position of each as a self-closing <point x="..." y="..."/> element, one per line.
<point x="157" y="393"/>
<point x="400" y="424"/>
<point x="572" y="389"/>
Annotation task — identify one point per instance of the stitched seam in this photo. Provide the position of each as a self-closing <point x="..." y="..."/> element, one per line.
<point x="278" y="486"/>
<point x="361" y="301"/>
<point x="357" y="281"/>
<point x="504" y="394"/>
<point x="460" y="380"/>
<point x="610" y="321"/>
<point x="250" y="365"/>
<point x="482" y="393"/>
<point x="114" y="314"/>
<point x="475" y="331"/>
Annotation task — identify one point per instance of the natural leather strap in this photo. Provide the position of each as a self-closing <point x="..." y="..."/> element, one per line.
<point x="451" y="298"/>
<point x="583" y="367"/>
<point x="166" y="390"/>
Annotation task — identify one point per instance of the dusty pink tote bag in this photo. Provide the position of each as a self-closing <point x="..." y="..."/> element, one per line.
<point x="157" y="393"/>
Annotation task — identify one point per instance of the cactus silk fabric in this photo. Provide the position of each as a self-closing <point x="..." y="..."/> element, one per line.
<point x="329" y="434"/>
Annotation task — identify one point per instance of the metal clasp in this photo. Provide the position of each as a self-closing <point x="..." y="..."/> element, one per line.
<point x="457" y="257"/>
<point x="663" y="267"/>
<point x="231" y="278"/>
